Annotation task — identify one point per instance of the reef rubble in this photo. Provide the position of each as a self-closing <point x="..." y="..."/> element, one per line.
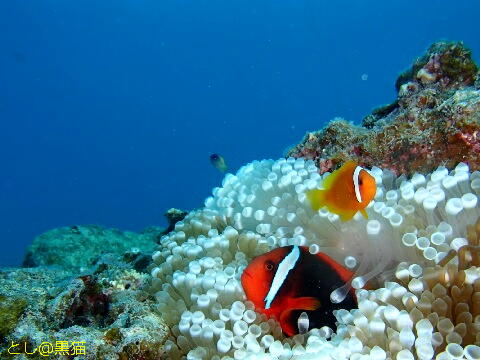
<point x="90" y="300"/>
<point x="435" y="120"/>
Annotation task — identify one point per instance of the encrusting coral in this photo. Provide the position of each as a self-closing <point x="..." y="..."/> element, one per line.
<point x="426" y="305"/>
<point x="434" y="120"/>
<point x="107" y="310"/>
<point x="76" y="248"/>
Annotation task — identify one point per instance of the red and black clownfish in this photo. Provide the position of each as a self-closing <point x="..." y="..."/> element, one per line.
<point x="347" y="190"/>
<point x="288" y="281"/>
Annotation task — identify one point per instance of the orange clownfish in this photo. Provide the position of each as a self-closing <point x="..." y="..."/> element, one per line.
<point x="346" y="191"/>
<point x="294" y="286"/>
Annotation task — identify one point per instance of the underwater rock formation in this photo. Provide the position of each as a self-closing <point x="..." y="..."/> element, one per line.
<point x="77" y="248"/>
<point x="106" y="313"/>
<point x="434" y="120"/>
<point x="173" y="216"/>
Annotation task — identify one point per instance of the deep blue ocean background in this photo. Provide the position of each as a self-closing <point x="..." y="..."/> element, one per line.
<point x="110" y="109"/>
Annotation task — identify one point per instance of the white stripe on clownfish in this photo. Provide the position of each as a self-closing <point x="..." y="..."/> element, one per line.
<point x="287" y="264"/>
<point x="356" y="178"/>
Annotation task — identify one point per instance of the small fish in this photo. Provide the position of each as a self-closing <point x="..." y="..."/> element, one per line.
<point x="294" y="286"/>
<point x="219" y="162"/>
<point x="346" y="191"/>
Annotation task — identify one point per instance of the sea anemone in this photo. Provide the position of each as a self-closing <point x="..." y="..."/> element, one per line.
<point x="416" y="250"/>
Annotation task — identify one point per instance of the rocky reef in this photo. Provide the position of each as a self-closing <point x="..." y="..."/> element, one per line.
<point x="434" y="121"/>
<point x="77" y="248"/>
<point x="85" y="298"/>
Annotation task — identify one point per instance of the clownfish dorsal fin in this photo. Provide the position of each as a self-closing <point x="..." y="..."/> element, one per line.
<point x="345" y="274"/>
<point x="348" y="167"/>
<point x="284" y="267"/>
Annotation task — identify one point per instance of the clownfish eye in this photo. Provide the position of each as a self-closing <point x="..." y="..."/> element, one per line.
<point x="269" y="266"/>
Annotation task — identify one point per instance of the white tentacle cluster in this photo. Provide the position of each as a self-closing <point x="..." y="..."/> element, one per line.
<point x="420" y="223"/>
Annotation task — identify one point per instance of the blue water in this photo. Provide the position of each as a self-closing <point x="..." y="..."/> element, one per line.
<point x="110" y="109"/>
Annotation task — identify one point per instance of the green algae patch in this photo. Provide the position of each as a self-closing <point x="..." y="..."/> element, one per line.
<point x="10" y="312"/>
<point x="457" y="63"/>
<point x="141" y="350"/>
<point x="22" y="344"/>
<point x="113" y="335"/>
<point x="450" y="62"/>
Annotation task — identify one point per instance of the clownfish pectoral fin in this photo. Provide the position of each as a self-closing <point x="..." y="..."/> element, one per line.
<point x="303" y="303"/>
<point x="288" y="324"/>
<point x="364" y="213"/>
<point x="316" y="198"/>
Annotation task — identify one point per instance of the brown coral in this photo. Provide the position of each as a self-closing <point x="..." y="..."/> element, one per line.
<point x="435" y="119"/>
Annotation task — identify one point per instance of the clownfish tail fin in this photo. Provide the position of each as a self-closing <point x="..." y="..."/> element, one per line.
<point x="316" y="198"/>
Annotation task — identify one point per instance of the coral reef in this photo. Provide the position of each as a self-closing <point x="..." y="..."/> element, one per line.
<point x="108" y="310"/>
<point x="418" y="251"/>
<point x="10" y="312"/>
<point x="434" y="120"/>
<point x="427" y="305"/>
<point x="77" y="248"/>
<point x="173" y="216"/>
